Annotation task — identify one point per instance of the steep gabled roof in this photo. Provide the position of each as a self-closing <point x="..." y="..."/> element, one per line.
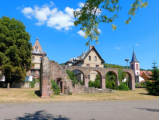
<point x="134" y="59"/>
<point x="85" y="54"/>
<point x="93" y="48"/>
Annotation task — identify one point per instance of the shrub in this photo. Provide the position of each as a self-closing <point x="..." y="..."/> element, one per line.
<point x="37" y="80"/>
<point x="81" y="82"/>
<point x="122" y="87"/>
<point x="110" y="84"/>
<point x="55" y="88"/>
<point x="69" y="93"/>
<point x="32" y="84"/>
<point x="91" y="84"/>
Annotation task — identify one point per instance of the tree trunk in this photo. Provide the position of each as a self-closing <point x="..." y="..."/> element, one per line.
<point x="8" y="86"/>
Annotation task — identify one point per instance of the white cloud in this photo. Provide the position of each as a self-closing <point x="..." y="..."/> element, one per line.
<point x="136" y="44"/>
<point x="99" y="30"/>
<point x="118" y="48"/>
<point x="81" y="4"/>
<point x="28" y="12"/>
<point x="52" y="17"/>
<point x="81" y="33"/>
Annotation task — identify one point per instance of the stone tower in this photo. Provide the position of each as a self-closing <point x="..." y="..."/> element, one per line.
<point x="135" y="65"/>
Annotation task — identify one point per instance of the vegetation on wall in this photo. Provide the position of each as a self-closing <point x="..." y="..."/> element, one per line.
<point x="72" y="76"/>
<point x="153" y="87"/>
<point x="55" y="87"/>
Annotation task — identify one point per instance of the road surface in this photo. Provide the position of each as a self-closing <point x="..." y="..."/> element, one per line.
<point x="101" y="110"/>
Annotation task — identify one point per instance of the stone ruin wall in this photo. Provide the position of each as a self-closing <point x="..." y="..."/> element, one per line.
<point x="52" y="70"/>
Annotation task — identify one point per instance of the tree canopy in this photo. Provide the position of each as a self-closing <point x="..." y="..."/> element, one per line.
<point x="15" y="49"/>
<point x="91" y="15"/>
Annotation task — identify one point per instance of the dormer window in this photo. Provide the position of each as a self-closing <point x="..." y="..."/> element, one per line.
<point x="36" y="48"/>
<point x="89" y="58"/>
<point x="95" y="58"/>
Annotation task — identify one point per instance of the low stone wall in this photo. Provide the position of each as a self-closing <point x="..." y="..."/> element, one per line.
<point x="82" y="89"/>
<point x="24" y="85"/>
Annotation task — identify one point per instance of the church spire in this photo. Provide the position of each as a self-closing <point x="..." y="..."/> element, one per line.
<point x="134" y="59"/>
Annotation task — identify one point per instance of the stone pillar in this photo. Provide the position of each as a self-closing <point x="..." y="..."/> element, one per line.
<point x="117" y="82"/>
<point x="62" y="87"/>
<point x="86" y="80"/>
<point x="102" y="82"/>
<point x="132" y="83"/>
<point x="45" y="78"/>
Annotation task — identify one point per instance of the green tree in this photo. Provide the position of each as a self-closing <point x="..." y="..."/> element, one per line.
<point x="15" y="49"/>
<point x="121" y="75"/>
<point x="93" y="13"/>
<point x="153" y="87"/>
<point x="110" y="80"/>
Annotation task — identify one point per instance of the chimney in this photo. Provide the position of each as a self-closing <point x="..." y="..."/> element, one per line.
<point x="90" y="47"/>
<point x="37" y="38"/>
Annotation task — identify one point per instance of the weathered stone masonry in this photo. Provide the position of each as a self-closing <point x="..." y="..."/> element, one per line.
<point x="51" y="70"/>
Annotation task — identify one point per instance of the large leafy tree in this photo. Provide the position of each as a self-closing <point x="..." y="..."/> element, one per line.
<point x="15" y="49"/>
<point x="153" y="85"/>
<point x="96" y="11"/>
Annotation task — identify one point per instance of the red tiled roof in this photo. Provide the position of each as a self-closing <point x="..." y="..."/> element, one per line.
<point x="147" y="73"/>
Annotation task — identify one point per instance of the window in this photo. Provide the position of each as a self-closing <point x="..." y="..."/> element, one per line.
<point x="36" y="48"/>
<point x="137" y="67"/>
<point x="88" y="65"/>
<point x="132" y="67"/>
<point x="97" y="65"/>
<point x="89" y="58"/>
<point x="89" y="77"/>
<point x="95" y="58"/>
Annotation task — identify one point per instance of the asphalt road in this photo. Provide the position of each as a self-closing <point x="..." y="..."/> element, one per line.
<point x="101" y="110"/>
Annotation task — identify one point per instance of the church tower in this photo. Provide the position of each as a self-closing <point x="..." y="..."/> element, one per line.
<point x="135" y="65"/>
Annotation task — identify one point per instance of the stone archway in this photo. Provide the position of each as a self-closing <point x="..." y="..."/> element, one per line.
<point x="131" y="79"/>
<point x="102" y="79"/>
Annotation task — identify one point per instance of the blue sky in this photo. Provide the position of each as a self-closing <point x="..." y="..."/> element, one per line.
<point x="52" y="23"/>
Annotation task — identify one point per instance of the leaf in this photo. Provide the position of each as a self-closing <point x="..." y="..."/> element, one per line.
<point x="114" y="27"/>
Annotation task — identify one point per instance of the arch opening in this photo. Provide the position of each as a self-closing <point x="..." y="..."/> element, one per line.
<point x="111" y="80"/>
<point x="128" y="80"/>
<point x="79" y="76"/>
<point x="95" y="79"/>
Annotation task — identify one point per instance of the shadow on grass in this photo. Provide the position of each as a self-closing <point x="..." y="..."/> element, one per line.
<point x="144" y="94"/>
<point x="149" y="109"/>
<point x="41" y="115"/>
<point x="37" y="92"/>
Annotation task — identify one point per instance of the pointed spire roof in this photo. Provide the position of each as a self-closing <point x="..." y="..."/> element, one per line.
<point x="134" y="59"/>
<point x="37" y="49"/>
<point x="37" y="44"/>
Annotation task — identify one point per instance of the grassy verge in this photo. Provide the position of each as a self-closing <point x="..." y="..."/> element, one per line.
<point x="29" y="95"/>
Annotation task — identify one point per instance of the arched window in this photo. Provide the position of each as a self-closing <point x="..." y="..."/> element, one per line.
<point x="89" y="58"/>
<point x="137" y="67"/>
